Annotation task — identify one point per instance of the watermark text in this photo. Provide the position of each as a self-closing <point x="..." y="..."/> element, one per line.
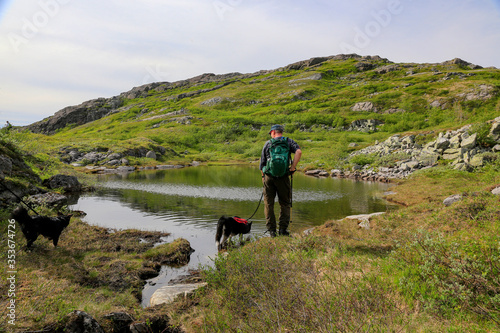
<point x="381" y="19"/>
<point x="11" y="273"/>
<point x="31" y="26"/>
<point x="222" y="7"/>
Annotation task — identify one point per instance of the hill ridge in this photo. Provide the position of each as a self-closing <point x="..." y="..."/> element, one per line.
<point x="95" y="109"/>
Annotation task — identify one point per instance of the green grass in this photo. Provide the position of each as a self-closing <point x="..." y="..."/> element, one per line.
<point x="310" y="111"/>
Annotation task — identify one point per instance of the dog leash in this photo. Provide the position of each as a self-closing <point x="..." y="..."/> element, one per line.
<point x="27" y="205"/>
<point x="291" y="196"/>
<point x="256" y="209"/>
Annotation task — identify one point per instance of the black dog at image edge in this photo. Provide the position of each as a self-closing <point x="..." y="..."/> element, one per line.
<point x="229" y="227"/>
<point x="33" y="226"/>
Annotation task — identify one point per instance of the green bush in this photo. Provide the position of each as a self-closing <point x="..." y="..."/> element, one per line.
<point x="450" y="277"/>
<point x="363" y="159"/>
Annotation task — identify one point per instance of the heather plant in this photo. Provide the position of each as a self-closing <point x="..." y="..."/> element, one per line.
<point x="452" y="277"/>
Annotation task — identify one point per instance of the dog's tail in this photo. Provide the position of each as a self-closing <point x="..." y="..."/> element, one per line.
<point x="220" y="228"/>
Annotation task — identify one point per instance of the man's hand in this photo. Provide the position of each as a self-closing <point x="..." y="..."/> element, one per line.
<point x="296" y="159"/>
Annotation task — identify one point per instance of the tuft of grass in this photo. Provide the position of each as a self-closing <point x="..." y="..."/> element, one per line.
<point x="176" y="253"/>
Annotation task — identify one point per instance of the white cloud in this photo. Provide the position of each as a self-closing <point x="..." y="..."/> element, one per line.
<point x="71" y="51"/>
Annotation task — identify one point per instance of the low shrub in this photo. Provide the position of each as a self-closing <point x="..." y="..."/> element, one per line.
<point x="449" y="276"/>
<point x="363" y="159"/>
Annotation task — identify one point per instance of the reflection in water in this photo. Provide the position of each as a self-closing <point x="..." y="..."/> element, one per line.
<point x="188" y="202"/>
<point x="218" y="193"/>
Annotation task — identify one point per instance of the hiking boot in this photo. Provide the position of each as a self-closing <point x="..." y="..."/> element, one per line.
<point x="272" y="233"/>
<point x="284" y="232"/>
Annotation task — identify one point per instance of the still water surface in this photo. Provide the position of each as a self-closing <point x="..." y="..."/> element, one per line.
<point x="188" y="202"/>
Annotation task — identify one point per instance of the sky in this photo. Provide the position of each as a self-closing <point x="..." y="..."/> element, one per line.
<point x="57" y="53"/>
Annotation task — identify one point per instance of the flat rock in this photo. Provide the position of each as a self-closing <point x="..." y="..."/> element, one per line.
<point x="49" y="199"/>
<point x="313" y="172"/>
<point x="167" y="294"/>
<point x="364" y="219"/>
<point x="168" y="166"/>
<point x="452" y="199"/>
<point x="125" y="169"/>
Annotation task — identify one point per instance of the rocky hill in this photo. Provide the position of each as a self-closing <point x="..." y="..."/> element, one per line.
<point x="333" y="105"/>
<point x="101" y="107"/>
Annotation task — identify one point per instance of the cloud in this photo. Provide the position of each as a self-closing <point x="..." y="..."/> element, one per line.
<point x="70" y="51"/>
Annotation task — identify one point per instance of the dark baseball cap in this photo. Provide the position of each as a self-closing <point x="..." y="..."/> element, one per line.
<point x="277" y="128"/>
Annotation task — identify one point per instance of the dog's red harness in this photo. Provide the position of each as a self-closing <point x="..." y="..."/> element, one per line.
<point x="240" y="220"/>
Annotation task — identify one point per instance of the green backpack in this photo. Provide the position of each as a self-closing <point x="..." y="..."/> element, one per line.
<point x="278" y="163"/>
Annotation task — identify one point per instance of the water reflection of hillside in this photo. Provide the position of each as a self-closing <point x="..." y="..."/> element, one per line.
<point x="204" y="193"/>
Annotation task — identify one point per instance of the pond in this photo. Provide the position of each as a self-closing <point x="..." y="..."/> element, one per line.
<point x="188" y="202"/>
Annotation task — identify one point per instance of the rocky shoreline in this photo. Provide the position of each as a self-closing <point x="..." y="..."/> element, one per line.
<point x="462" y="149"/>
<point x="127" y="169"/>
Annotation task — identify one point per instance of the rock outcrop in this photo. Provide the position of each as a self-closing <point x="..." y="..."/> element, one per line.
<point x="461" y="63"/>
<point x="74" y="156"/>
<point x="78" y="115"/>
<point x="365" y="125"/>
<point x="67" y="183"/>
<point x="12" y="165"/>
<point x="461" y="149"/>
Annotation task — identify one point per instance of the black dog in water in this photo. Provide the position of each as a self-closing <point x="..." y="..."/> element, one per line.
<point x="33" y="226"/>
<point x="229" y="227"/>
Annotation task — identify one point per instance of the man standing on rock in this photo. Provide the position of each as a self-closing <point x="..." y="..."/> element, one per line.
<point x="275" y="167"/>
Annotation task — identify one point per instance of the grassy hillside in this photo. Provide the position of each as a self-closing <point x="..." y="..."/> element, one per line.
<point x="425" y="267"/>
<point x="228" y="117"/>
